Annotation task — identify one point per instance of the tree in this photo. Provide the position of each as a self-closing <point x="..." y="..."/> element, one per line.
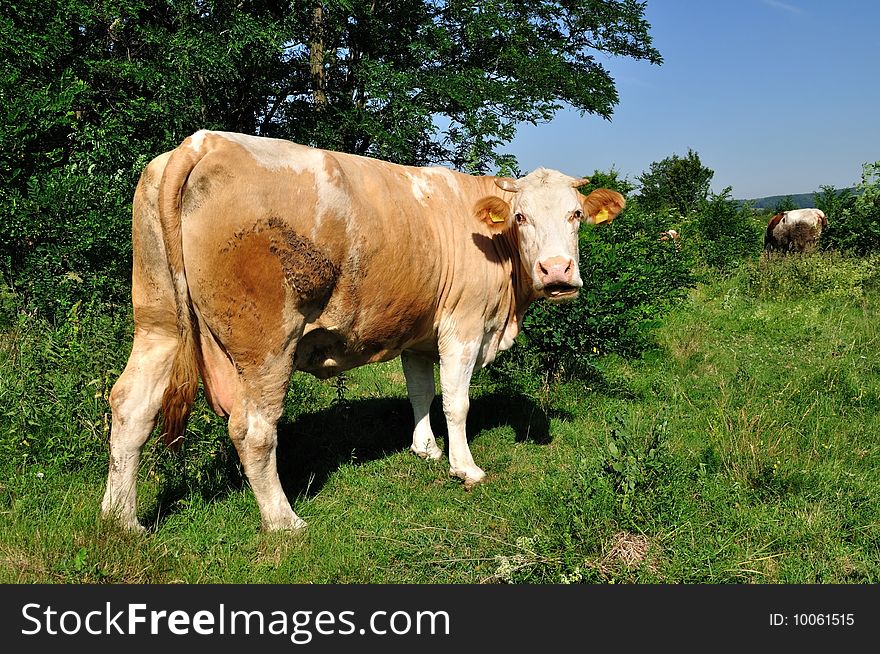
<point x="448" y="81"/>
<point x="784" y="204"/>
<point x="90" y="91"/>
<point x="833" y="202"/>
<point x="608" y="179"/>
<point x="676" y="183"/>
<point x="724" y="233"/>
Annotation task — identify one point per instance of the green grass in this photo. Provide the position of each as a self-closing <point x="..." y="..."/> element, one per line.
<point x="744" y="448"/>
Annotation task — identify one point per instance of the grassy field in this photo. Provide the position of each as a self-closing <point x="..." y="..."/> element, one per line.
<point x="745" y="447"/>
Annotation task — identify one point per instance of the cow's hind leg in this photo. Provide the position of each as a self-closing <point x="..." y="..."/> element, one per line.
<point x="135" y="401"/>
<point x="253" y="429"/>
<point x="419" y="373"/>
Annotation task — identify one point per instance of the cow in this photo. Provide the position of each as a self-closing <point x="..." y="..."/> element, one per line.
<point x="671" y="235"/>
<point x="797" y="230"/>
<point x="254" y="257"/>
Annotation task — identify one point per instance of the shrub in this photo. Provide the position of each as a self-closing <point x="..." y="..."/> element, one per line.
<point x="724" y="234"/>
<point x="54" y="382"/>
<point x="630" y="280"/>
<point x="854" y="220"/>
<point x="67" y="238"/>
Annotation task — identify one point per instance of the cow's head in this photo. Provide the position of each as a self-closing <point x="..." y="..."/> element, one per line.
<point x="546" y="211"/>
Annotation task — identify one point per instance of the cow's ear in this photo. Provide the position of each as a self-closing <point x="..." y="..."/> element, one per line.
<point x="494" y="212"/>
<point x="507" y="184"/>
<point x="602" y="206"/>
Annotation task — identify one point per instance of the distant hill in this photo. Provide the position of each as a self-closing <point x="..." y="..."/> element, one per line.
<point x="801" y="200"/>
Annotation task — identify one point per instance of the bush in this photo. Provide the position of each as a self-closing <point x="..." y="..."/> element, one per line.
<point x="853" y="220"/>
<point x="67" y="236"/>
<point x="724" y="234"/>
<point x="630" y="280"/>
<point x="54" y="383"/>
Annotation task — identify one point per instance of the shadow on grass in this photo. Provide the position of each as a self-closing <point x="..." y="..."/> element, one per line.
<point x="313" y="446"/>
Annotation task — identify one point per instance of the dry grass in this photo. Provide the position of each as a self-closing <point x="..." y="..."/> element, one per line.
<point x="631" y="551"/>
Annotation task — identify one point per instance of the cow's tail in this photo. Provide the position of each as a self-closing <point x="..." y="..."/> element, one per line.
<point x="183" y="384"/>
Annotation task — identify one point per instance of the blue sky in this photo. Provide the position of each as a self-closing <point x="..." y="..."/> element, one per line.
<point x="776" y="96"/>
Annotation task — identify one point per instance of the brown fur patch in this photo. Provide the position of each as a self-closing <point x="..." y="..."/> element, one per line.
<point x="307" y="270"/>
<point x="246" y="295"/>
<point x="770" y="240"/>
<point x="602" y="200"/>
<point x="493" y="212"/>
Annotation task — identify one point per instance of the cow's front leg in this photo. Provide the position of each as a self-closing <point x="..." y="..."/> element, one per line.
<point x="456" y="367"/>
<point x="419" y="373"/>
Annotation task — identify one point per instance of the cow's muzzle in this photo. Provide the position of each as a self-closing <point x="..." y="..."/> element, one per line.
<point x="557" y="278"/>
<point x="560" y="292"/>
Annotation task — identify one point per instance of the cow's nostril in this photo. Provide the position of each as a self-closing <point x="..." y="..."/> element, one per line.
<point x="542" y="269"/>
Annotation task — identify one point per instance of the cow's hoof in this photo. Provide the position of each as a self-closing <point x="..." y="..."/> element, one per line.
<point x="470" y="477"/>
<point x="131" y="525"/>
<point x="429" y="452"/>
<point x="135" y="527"/>
<point x="292" y="525"/>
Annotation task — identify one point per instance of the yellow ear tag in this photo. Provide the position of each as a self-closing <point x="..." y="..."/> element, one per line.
<point x="601" y="217"/>
<point x="496" y="218"/>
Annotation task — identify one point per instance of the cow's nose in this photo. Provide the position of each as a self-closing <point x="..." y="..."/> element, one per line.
<point x="556" y="270"/>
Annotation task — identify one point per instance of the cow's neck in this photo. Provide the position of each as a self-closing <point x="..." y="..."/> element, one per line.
<point x="522" y="292"/>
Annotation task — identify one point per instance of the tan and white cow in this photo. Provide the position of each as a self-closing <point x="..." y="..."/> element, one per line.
<point x="254" y="257"/>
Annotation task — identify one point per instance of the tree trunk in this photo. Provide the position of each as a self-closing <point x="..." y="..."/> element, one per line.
<point x="316" y="58"/>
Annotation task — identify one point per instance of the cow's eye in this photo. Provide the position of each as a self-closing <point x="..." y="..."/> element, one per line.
<point x="520" y="219"/>
<point x="578" y="215"/>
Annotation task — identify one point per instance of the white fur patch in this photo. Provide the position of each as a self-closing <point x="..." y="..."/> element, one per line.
<point x="276" y="154"/>
<point x="197" y="139"/>
<point x="421" y="187"/>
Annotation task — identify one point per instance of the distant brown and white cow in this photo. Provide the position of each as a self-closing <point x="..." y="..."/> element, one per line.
<point x="797" y="230"/>
<point x="254" y="257"/>
<point x="671" y="235"/>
